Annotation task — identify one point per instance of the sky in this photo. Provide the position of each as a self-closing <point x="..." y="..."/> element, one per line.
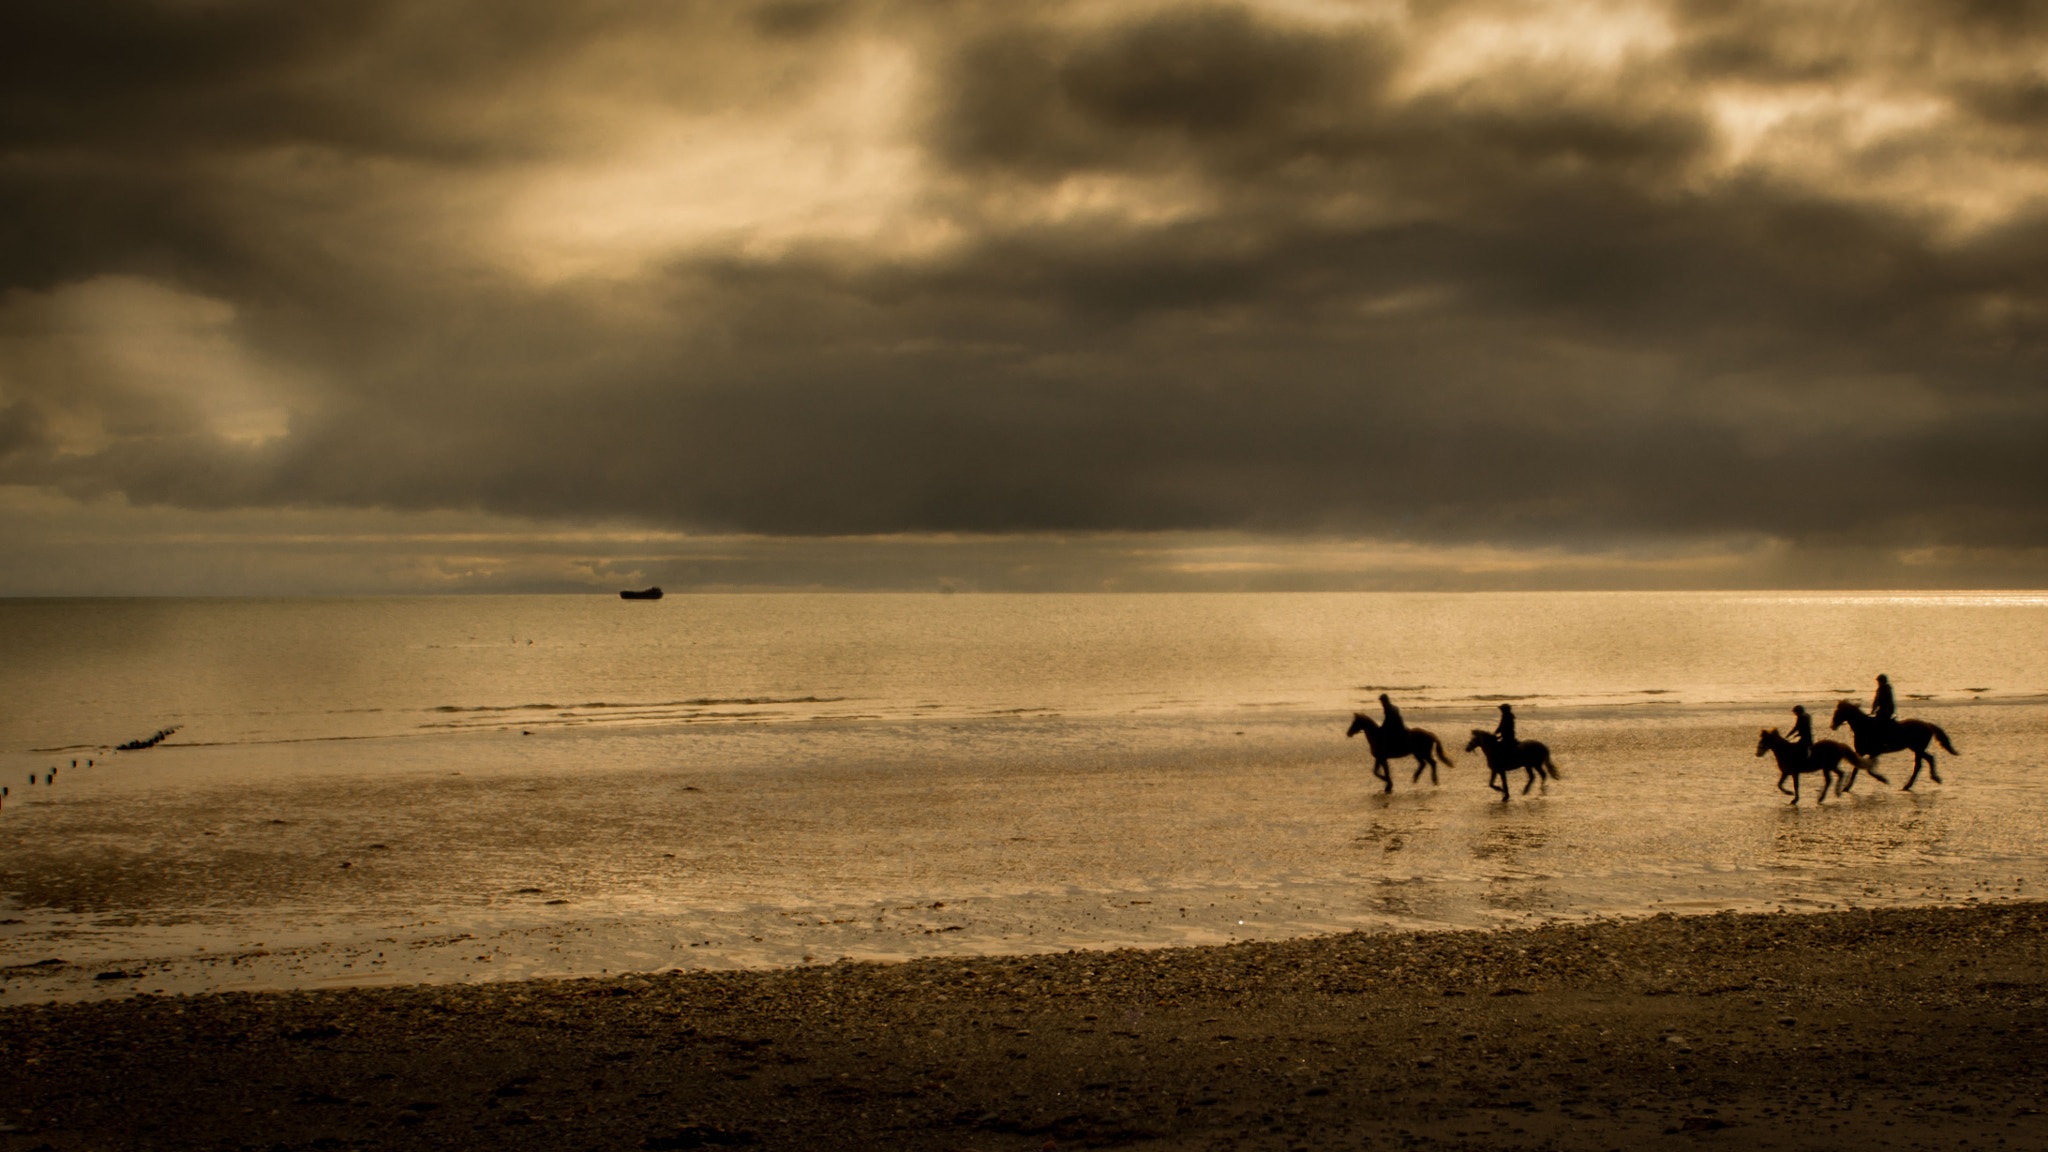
<point x="360" y="296"/>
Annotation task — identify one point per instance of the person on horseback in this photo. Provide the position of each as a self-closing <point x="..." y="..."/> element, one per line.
<point x="1802" y="731"/>
<point x="1394" y="726"/>
<point x="1882" y="709"/>
<point x="1506" y="729"/>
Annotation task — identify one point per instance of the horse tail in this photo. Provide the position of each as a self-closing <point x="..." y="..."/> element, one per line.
<point x="1550" y="766"/>
<point x="1943" y="737"/>
<point x="1445" y="754"/>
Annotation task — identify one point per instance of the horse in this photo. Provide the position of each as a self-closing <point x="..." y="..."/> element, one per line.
<point x="1531" y="756"/>
<point x="1825" y="757"/>
<point x="1421" y="744"/>
<point x="1875" y="737"/>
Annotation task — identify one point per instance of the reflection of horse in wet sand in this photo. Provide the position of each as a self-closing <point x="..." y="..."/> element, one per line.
<point x="1876" y="737"/>
<point x="1531" y="756"/>
<point x="1826" y="758"/>
<point x="1421" y="744"/>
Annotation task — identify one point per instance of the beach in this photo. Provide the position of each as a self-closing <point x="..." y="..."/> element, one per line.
<point x="1899" y="1028"/>
<point x="986" y="873"/>
<point x="206" y="869"/>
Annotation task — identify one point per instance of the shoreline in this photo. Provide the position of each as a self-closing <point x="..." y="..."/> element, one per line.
<point x="476" y="955"/>
<point x="1919" y="1026"/>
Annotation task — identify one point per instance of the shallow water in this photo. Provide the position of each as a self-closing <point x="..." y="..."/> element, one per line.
<point x="1076" y="789"/>
<point x="102" y="672"/>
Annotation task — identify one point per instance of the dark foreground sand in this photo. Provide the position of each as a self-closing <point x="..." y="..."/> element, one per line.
<point x="1899" y="1029"/>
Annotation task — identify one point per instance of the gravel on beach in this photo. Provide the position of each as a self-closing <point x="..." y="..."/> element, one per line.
<point x="1902" y="1028"/>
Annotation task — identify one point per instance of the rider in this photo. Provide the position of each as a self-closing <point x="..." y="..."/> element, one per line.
<point x="1802" y="730"/>
<point x="1882" y="709"/>
<point x="1395" y="728"/>
<point x="1506" y="730"/>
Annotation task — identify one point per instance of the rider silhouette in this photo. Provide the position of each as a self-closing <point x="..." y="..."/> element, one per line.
<point x="1802" y="730"/>
<point x="1881" y="706"/>
<point x="1394" y="725"/>
<point x="1506" y="730"/>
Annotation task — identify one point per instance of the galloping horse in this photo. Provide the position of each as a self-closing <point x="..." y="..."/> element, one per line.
<point x="1531" y="756"/>
<point x="1421" y="744"/>
<point x="1825" y="758"/>
<point x="1875" y="737"/>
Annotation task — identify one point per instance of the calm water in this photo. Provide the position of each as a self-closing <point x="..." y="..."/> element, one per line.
<point x="470" y="788"/>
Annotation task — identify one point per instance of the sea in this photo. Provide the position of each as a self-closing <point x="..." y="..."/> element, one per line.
<point x="470" y="788"/>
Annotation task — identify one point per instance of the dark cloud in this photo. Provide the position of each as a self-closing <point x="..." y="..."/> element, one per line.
<point x="135" y="74"/>
<point x="798" y="19"/>
<point x="21" y="429"/>
<point x="1204" y="268"/>
<point x="2022" y="103"/>
<point x="1028" y="98"/>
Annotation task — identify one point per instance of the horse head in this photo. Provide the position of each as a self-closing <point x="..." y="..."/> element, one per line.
<point x="1478" y="740"/>
<point x="1766" y="738"/>
<point x="1360" y="722"/>
<point x="1846" y="711"/>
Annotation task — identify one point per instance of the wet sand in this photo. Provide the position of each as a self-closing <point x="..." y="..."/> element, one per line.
<point x="213" y="870"/>
<point x="1899" y="1028"/>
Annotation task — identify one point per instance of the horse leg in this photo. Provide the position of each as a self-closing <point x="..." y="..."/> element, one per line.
<point x="1910" y="780"/>
<point x="1795" y="788"/>
<point x="1931" y="773"/>
<point x="1421" y="762"/>
<point x="1857" y="766"/>
<point x="1828" y="778"/>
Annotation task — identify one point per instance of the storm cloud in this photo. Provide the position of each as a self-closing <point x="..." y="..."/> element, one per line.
<point x="1552" y="277"/>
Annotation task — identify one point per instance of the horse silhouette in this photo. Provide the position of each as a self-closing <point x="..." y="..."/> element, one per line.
<point x="1875" y="737"/>
<point x="1825" y="757"/>
<point x="1421" y="744"/>
<point x="1531" y="756"/>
